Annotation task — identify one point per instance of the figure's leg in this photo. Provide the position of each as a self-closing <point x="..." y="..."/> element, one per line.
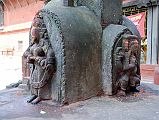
<point x="133" y="89"/>
<point x="37" y="100"/>
<point x="39" y="97"/>
<point x="134" y="82"/>
<point x="31" y="98"/>
<point x="34" y="94"/>
<point x="123" y="84"/>
<point x="121" y="93"/>
<point x="44" y="93"/>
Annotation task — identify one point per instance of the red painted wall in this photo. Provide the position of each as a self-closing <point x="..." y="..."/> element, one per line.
<point x="20" y="12"/>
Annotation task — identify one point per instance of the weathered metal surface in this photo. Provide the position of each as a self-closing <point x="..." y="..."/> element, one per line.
<point x="84" y="52"/>
<point x="110" y="36"/>
<point x="115" y="58"/>
<point x="68" y="3"/>
<point x="107" y="11"/>
<point x="75" y="34"/>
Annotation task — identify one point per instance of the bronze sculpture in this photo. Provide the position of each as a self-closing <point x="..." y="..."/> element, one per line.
<point x="42" y="58"/>
<point x="93" y="56"/>
<point x="127" y="77"/>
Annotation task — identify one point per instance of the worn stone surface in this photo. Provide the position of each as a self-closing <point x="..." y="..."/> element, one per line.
<point x="25" y="81"/>
<point x="14" y="85"/>
<point x="140" y="106"/>
<point x="75" y="35"/>
<point x="24" y="86"/>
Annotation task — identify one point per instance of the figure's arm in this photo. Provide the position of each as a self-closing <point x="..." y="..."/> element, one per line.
<point x="50" y="68"/>
<point x="131" y="64"/>
<point x="40" y="61"/>
<point x="27" y="53"/>
<point x="50" y="64"/>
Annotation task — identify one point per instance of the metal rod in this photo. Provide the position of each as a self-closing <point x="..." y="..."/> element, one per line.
<point x="68" y="3"/>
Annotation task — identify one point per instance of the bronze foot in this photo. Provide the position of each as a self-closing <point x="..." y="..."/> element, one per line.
<point x="31" y="98"/>
<point x="36" y="101"/>
<point x="121" y="93"/>
<point x="133" y="89"/>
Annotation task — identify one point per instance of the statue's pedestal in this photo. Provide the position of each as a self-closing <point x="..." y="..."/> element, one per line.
<point x="156" y="75"/>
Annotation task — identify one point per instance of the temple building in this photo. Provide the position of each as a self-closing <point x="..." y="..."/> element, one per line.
<point x="15" y="21"/>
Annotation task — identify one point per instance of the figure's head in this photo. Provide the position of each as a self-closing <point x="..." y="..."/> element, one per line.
<point x="134" y="45"/>
<point x="37" y="22"/>
<point x="125" y="44"/>
<point x="35" y="34"/>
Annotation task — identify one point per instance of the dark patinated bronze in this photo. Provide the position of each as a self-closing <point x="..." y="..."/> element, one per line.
<point x="80" y="49"/>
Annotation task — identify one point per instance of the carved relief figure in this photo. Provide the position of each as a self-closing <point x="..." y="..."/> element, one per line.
<point x="134" y="77"/>
<point x="41" y="56"/>
<point x="126" y="61"/>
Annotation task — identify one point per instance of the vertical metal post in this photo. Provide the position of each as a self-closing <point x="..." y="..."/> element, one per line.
<point x="68" y="3"/>
<point x="1" y="14"/>
<point x="149" y="35"/>
<point x="153" y="35"/>
<point x="111" y="12"/>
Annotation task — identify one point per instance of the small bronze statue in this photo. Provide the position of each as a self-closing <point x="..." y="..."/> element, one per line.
<point x="41" y="56"/>
<point x="127" y="76"/>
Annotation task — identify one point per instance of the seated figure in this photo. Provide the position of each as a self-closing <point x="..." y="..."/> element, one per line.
<point x="127" y="77"/>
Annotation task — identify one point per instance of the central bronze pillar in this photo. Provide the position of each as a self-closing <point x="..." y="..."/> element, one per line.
<point x="68" y="3"/>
